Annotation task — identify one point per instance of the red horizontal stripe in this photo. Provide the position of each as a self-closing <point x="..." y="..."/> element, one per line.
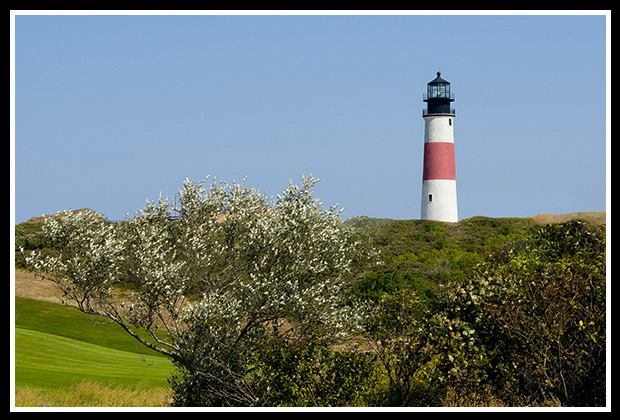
<point x="439" y="161"/>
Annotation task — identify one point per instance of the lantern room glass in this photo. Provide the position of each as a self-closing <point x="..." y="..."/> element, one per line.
<point x="439" y="91"/>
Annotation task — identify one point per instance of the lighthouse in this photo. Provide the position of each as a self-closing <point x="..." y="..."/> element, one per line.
<point x="439" y="173"/>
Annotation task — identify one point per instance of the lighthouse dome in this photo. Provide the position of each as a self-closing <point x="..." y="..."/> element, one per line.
<point x="438" y="80"/>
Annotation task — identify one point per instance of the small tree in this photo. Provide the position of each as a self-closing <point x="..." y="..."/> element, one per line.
<point x="233" y="271"/>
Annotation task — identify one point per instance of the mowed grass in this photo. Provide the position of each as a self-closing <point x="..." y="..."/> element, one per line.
<point x="57" y="346"/>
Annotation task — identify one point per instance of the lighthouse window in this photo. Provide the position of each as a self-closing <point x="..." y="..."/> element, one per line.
<point x="450" y="121"/>
<point x="430" y="198"/>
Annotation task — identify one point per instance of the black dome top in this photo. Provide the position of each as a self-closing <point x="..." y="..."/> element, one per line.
<point x="437" y="80"/>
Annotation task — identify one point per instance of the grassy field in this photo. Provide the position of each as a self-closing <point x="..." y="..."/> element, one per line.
<point x="59" y="348"/>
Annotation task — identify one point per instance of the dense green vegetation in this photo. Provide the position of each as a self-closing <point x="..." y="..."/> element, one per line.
<point x="529" y="325"/>
<point x="486" y="311"/>
<point x="422" y="254"/>
<point x="518" y="314"/>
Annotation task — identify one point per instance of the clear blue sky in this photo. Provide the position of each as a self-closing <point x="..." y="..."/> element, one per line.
<point x="111" y="110"/>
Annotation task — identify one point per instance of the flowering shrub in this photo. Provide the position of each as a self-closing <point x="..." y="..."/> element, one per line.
<point x="211" y="285"/>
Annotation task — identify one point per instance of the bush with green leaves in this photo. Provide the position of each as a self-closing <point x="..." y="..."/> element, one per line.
<point x="311" y="373"/>
<point x="377" y="283"/>
<point x="396" y="331"/>
<point x="530" y="325"/>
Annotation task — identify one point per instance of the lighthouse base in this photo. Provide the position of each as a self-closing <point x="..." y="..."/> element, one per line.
<point x="439" y="200"/>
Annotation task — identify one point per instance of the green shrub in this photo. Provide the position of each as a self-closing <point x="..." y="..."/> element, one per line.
<point x="435" y="251"/>
<point x="375" y="284"/>
<point x="531" y="323"/>
<point x="311" y="374"/>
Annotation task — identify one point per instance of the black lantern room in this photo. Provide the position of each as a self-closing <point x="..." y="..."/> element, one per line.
<point x="438" y="97"/>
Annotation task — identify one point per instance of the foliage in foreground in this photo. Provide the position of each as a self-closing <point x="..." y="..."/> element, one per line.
<point x="235" y="272"/>
<point x="530" y="324"/>
<point x="250" y="296"/>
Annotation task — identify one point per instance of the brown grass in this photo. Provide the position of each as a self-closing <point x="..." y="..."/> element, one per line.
<point x="592" y="217"/>
<point x="88" y="394"/>
<point x="28" y="285"/>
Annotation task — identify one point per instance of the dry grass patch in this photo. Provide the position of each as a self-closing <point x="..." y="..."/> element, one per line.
<point x="88" y="394"/>
<point x="28" y="285"/>
<point x="593" y="217"/>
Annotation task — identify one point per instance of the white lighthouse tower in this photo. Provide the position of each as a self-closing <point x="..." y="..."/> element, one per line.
<point x="439" y="173"/>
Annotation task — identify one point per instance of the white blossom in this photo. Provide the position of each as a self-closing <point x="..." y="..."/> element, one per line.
<point x="213" y="268"/>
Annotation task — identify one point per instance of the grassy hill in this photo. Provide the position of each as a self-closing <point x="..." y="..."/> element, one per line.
<point x="424" y="254"/>
<point x="58" y="347"/>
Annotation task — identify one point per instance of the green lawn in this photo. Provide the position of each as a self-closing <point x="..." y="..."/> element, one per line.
<point x="58" y="346"/>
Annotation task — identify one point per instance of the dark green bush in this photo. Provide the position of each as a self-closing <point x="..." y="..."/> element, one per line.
<point x="531" y="323"/>
<point x="374" y="285"/>
<point x="282" y="372"/>
<point x="309" y="373"/>
<point x="397" y="334"/>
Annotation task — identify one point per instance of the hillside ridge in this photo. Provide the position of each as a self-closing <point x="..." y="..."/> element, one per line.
<point x="593" y="217"/>
<point x="59" y="214"/>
